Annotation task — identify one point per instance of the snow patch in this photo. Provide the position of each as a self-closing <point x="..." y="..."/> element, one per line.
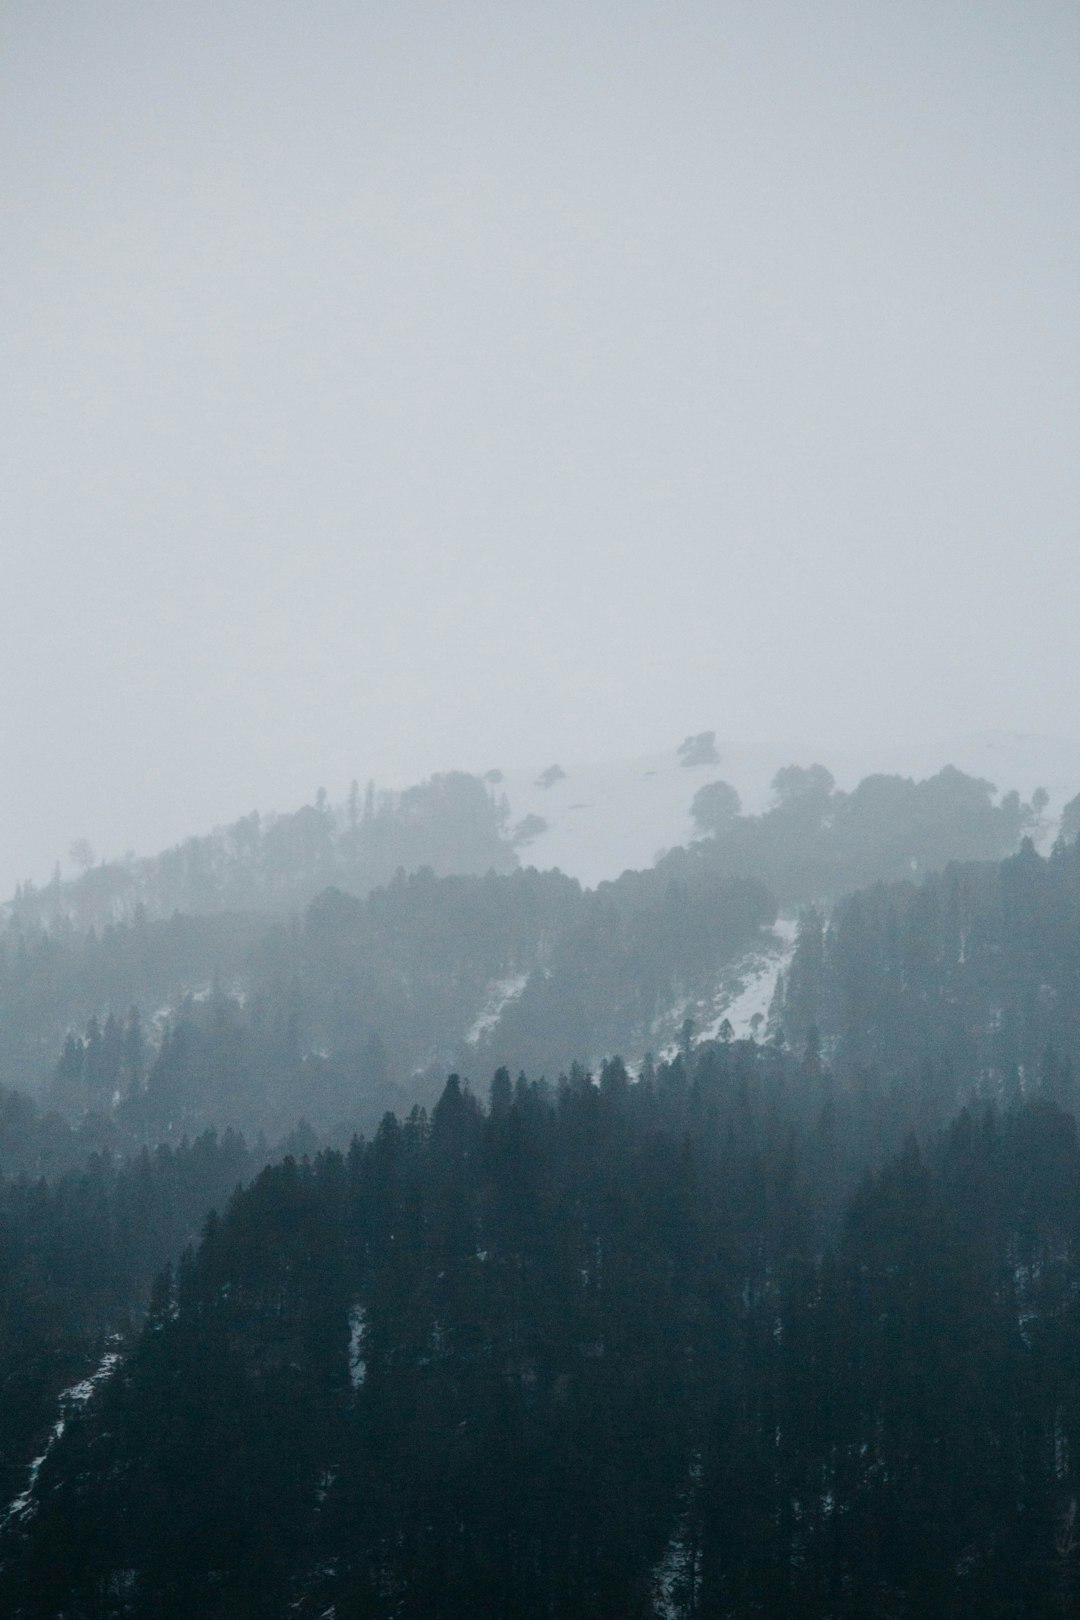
<point x="357" y="1363"/>
<point x="748" y="990"/>
<point x="676" y="1580"/>
<point x="743" y="994"/>
<point x="497" y="997"/>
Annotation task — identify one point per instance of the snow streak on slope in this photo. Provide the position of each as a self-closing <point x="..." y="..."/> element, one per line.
<point x="500" y="993"/>
<point x="357" y="1363"/>
<point x="70" y="1402"/>
<point x="745" y="989"/>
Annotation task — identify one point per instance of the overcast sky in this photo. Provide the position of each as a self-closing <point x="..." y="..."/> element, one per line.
<point x="395" y="386"/>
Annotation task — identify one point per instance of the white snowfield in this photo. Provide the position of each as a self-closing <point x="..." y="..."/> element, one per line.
<point x="604" y="817"/>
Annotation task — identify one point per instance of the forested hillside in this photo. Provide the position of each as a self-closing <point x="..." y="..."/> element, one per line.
<point x="813" y="842"/>
<point x="759" y="1326"/>
<point x="816" y="842"/>
<point x="977" y="966"/>
<point x="367" y="1001"/>
<point x="461" y="955"/>
<point x="54" y="980"/>
<point x="612" y="1150"/>
<point x="608" y="1350"/>
<point x="656" y="1287"/>
<point x="278" y="863"/>
<point x="80" y="1245"/>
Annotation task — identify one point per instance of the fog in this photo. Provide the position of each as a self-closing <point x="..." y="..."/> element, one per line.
<point x="396" y="387"/>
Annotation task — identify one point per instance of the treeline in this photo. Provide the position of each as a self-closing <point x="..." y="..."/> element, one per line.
<point x="977" y="967"/>
<point x="817" y="842"/>
<point x="278" y="863"/>
<point x="606" y="1350"/>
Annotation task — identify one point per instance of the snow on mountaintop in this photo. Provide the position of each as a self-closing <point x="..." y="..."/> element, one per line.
<point x="606" y="816"/>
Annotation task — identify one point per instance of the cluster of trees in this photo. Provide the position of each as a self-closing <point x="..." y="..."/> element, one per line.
<point x="597" y="967"/>
<point x="977" y="966"/>
<point x="219" y="1063"/>
<point x="452" y="823"/>
<point x="40" y="1143"/>
<point x="55" y="980"/>
<point x="608" y="1349"/>
<point x="639" y="948"/>
<point x="817" y="843"/>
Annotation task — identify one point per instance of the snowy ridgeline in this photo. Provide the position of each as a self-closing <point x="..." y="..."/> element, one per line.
<point x="604" y="817"/>
<point x="70" y="1401"/>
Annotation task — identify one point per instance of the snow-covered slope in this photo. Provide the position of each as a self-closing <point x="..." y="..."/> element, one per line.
<point x="741" y="998"/>
<point x="605" y="816"/>
<point x="745" y="996"/>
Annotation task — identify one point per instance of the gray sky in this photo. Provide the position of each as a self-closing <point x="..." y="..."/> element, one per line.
<point x="394" y="386"/>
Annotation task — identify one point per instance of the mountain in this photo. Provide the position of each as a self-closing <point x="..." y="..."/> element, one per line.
<point x="799" y="1297"/>
<point x="337" y="1005"/>
<point x="592" y="820"/>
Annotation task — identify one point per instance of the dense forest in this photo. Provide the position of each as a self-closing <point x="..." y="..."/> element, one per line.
<point x="78" y="1253"/>
<point x="977" y="966"/>
<point x="762" y="1325"/>
<point x="605" y="1349"/>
